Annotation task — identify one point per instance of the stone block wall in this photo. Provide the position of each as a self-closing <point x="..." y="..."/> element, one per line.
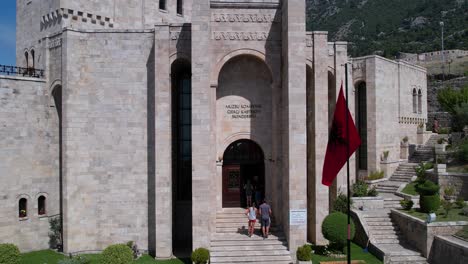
<point x="105" y="138"/>
<point x="447" y="249"/>
<point x="420" y="234"/>
<point x="459" y="181"/>
<point x="29" y="168"/>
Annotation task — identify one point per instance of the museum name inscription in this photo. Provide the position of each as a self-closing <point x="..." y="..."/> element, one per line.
<point x="243" y="111"/>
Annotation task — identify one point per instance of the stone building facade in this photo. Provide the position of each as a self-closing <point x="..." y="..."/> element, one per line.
<point x="153" y="114"/>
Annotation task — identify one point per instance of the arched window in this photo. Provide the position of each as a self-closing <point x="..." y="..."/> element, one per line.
<point x="23" y="207"/>
<point x="162" y="4"/>
<point x="419" y="101"/>
<point x="26" y="57"/>
<point x="41" y="205"/>
<point x="180" y="8"/>
<point x="415" y="102"/>
<point x="32" y="59"/>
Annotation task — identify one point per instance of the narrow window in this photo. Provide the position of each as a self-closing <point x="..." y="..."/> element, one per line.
<point x="419" y="101"/>
<point x="162" y="4"/>
<point x="41" y="205"/>
<point x="415" y="103"/>
<point x="180" y="8"/>
<point x="23" y="207"/>
<point x="32" y="59"/>
<point x="26" y="57"/>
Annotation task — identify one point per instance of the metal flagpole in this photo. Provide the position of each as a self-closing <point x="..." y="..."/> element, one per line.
<point x="347" y="165"/>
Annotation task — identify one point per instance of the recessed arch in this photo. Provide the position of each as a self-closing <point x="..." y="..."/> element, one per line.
<point x="240" y="52"/>
<point x="361" y="123"/>
<point x="419" y="101"/>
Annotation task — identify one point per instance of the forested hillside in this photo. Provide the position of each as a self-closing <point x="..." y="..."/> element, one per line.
<point x="386" y="27"/>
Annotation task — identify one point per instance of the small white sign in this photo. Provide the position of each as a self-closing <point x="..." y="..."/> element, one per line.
<point x="298" y="217"/>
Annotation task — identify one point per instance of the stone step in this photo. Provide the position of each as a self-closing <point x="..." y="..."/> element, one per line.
<point x="241" y="230"/>
<point x="261" y="262"/>
<point x="244" y="258"/>
<point x="387" y="241"/>
<point x="256" y="247"/>
<point x="381" y="228"/>
<point x="381" y="223"/>
<point x="407" y="259"/>
<point x="377" y="219"/>
<point x="241" y="253"/>
<point x="242" y="237"/>
<point x="386" y="190"/>
<point x="248" y="243"/>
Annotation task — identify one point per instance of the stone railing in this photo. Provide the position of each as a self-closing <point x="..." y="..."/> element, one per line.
<point x="20" y="71"/>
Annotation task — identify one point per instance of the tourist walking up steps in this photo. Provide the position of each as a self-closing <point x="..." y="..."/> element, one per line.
<point x="265" y="212"/>
<point x="248" y="192"/>
<point x="252" y="216"/>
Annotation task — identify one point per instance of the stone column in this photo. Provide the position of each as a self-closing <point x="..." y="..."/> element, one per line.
<point x="203" y="159"/>
<point x="294" y="121"/>
<point x="317" y="128"/>
<point x="163" y="143"/>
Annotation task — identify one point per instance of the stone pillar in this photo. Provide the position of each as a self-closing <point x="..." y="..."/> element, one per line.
<point x="317" y="128"/>
<point x="203" y="159"/>
<point x="294" y="121"/>
<point x="163" y="143"/>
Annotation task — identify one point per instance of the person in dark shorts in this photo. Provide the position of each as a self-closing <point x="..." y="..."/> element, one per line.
<point x="265" y="212"/>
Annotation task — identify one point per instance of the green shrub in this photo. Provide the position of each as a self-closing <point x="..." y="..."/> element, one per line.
<point x="335" y="229"/>
<point x="55" y="232"/>
<point x="321" y="250"/>
<point x="460" y="202"/>
<point x="341" y="203"/>
<point x="462" y="153"/>
<point x="449" y="191"/>
<point x="406" y="204"/>
<point x="447" y="205"/>
<point x="444" y="130"/>
<point x="117" y="254"/>
<point x="405" y="139"/>
<point x="304" y="253"/>
<point x="421" y="172"/>
<point x="9" y="254"/>
<point x="429" y="203"/>
<point x="373" y="192"/>
<point x="376" y="175"/>
<point x="460" y="118"/>
<point x="427" y="188"/>
<point x="75" y="260"/>
<point x="360" y="189"/>
<point x="465" y="210"/>
<point x="200" y="256"/>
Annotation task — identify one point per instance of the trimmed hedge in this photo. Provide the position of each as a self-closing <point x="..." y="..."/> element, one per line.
<point x="429" y="203"/>
<point x="9" y="254"/>
<point x="427" y="188"/>
<point x="200" y="256"/>
<point x="335" y="229"/>
<point x="304" y="253"/>
<point x="117" y="254"/>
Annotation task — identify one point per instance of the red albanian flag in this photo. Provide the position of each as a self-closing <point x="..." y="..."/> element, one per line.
<point x="337" y="153"/>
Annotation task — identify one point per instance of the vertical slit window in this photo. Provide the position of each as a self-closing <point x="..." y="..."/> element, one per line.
<point x="23" y="207"/>
<point x="180" y="8"/>
<point x="41" y="205"/>
<point x="415" y="103"/>
<point x="162" y="4"/>
<point x="419" y="101"/>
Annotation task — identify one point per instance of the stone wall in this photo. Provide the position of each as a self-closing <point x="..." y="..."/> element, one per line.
<point x="459" y="182"/>
<point x="448" y="249"/>
<point x="105" y="144"/>
<point x="421" y="234"/>
<point x="29" y="168"/>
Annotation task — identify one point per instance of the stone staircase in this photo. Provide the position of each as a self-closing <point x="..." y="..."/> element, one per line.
<point x="425" y="153"/>
<point x="403" y="174"/>
<point x="231" y="243"/>
<point x="387" y="237"/>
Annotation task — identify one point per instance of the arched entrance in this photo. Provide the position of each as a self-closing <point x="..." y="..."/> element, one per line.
<point x="243" y="161"/>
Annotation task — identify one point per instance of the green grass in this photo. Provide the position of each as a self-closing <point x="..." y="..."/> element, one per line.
<point x="52" y="257"/>
<point x="410" y="189"/>
<point x="458" y="168"/>
<point x="41" y="257"/>
<point x="357" y="253"/>
<point x="454" y="215"/>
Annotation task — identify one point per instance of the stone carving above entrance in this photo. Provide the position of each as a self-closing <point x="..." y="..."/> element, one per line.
<point x="245" y="18"/>
<point x="240" y="36"/>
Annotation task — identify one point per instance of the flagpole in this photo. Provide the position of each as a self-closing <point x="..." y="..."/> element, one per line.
<point x="347" y="166"/>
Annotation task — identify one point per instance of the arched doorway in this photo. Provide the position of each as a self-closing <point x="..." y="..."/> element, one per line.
<point x="243" y="161"/>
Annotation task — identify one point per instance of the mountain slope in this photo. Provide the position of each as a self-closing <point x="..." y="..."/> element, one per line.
<point x="390" y="26"/>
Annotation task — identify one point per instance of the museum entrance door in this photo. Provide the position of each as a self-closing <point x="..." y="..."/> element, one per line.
<point x="243" y="162"/>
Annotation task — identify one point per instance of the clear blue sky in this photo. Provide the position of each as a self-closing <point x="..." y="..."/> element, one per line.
<point x="8" y="32"/>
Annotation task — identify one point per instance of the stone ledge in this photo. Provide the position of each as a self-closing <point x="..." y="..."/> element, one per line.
<point x="20" y="78"/>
